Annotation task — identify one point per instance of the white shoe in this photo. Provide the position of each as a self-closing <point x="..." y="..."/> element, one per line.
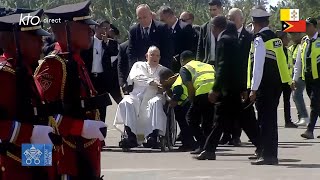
<point x="303" y="122"/>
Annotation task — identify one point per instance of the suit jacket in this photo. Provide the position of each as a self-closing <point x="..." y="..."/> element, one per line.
<point x="183" y="39"/>
<point x="123" y="63"/>
<point x="102" y="85"/>
<point x="159" y="35"/>
<point x="227" y="65"/>
<point x="204" y="43"/>
<point x="245" y="40"/>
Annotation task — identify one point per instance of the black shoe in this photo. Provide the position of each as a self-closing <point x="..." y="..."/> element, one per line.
<point x="151" y="143"/>
<point x="235" y="142"/>
<point x="266" y="161"/>
<point x="318" y="137"/>
<point x="128" y="143"/>
<point x="308" y="135"/>
<point x="290" y="125"/>
<point x="197" y="151"/>
<point x="205" y="155"/>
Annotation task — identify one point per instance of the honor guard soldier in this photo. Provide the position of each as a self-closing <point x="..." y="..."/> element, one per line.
<point x="64" y="83"/>
<point x="21" y="118"/>
<point x="268" y="70"/>
<point x="309" y="59"/>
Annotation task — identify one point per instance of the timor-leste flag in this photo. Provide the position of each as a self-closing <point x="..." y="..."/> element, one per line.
<point x="294" y="26"/>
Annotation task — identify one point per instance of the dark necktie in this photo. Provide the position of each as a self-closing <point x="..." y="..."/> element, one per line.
<point x="308" y="58"/>
<point x="145" y="32"/>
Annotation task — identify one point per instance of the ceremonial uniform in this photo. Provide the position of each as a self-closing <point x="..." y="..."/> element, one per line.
<point x="309" y="59"/>
<point x="64" y="83"/>
<point x="268" y="68"/>
<point x="23" y="117"/>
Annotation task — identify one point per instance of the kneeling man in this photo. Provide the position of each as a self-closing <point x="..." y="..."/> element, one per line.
<point x="141" y="114"/>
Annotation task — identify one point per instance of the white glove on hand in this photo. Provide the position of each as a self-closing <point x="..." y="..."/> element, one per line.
<point x="91" y="129"/>
<point x="40" y="134"/>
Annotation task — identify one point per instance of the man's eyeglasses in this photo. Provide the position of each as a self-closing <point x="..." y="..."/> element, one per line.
<point x="185" y="20"/>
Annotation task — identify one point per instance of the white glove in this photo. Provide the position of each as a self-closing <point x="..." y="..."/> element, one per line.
<point x="91" y="129"/>
<point x="40" y="134"/>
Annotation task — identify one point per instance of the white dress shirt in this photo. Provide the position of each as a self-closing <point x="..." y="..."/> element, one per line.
<point x="239" y="31"/>
<point x="298" y="65"/>
<point x="97" y="56"/>
<point x="213" y="47"/>
<point x="174" y="25"/>
<point x="258" y="61"/>
<point x="220" y="34"/>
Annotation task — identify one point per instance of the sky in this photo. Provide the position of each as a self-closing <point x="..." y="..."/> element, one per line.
<point x="273" y="2"/>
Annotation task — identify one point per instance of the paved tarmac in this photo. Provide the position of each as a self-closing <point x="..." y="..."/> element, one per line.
<point x="299" y="159"/>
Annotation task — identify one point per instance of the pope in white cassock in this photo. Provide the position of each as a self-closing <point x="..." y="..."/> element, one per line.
<point x="141" y="112"/>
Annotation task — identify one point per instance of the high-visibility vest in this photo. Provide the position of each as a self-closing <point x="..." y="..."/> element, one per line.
<point x="290" y="61"/>
<point x="315" y="58"/>
<point x="203" y="76"/>
<point x="294" y="50"/>
<point x="184" y="95"/>
<point x="274" y="52"/>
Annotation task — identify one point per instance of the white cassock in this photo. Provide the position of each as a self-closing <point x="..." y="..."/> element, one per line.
<point x="142" y="110"/>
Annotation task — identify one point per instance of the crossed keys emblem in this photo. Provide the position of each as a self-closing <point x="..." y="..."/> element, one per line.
<point x="294" y="15"/>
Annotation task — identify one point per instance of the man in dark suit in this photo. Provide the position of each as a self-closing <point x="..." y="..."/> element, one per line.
<point x="247" y="120"/>
<point x="181" y="34"/>
<point x="188" y="17"/>
<point x="123" y="66"/>
<point x="146" y="33"/>
<point x="227" y="87"/>
<point x="206" y="43"/>
<point x="98" y="63"/>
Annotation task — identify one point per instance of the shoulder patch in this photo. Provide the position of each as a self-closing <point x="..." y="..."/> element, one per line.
<point x="318" y="44"/>
<point x="277" y="43"/>
<point x="256" y="43"/>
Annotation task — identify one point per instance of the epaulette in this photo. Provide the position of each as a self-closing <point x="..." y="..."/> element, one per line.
<point x="6" y="66"/>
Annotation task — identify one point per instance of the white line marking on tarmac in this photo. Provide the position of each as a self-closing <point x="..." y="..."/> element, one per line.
<point x="159" y="169"/>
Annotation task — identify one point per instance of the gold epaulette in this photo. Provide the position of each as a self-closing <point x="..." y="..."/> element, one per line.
<point x="7" y="67"/>
<point x="54" y="55"/>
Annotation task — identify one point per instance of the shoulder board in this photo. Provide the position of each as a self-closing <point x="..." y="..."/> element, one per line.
<point x="6" y="66"/>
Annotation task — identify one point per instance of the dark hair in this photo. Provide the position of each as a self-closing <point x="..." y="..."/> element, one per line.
<point x="219" y="22"/>
<point x="215" y="3"/>
<point x="101" y="21"/>
<point x="165" y="73"/>
<point x="187" y="56"/>
<point x="166" y="10"/>
<point x="115" y="29"/>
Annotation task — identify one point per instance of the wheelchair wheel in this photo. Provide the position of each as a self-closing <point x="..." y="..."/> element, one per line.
<point x="163" y="143"/>
<point x="171" y="133"/>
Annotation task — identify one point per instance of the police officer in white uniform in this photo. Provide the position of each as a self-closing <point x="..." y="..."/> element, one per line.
<point x="268" y="69"/>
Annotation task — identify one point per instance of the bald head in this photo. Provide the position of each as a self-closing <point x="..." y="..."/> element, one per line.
<point x="144" y="15"/>
<point x="235" y="15"/>
<point x="187" y="17"/>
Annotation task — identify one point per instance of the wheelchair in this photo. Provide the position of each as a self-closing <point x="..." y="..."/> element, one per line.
<point x="166" y="142"/>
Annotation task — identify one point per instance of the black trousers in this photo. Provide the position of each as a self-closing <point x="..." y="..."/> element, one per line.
<point x="267" y="103"/>
<point x="313" y="91"/>
<point x="200" y="118"/>
<point x="227" y="108"/>
<point x="186" y="133"/>
<point x="286" y="94"/>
